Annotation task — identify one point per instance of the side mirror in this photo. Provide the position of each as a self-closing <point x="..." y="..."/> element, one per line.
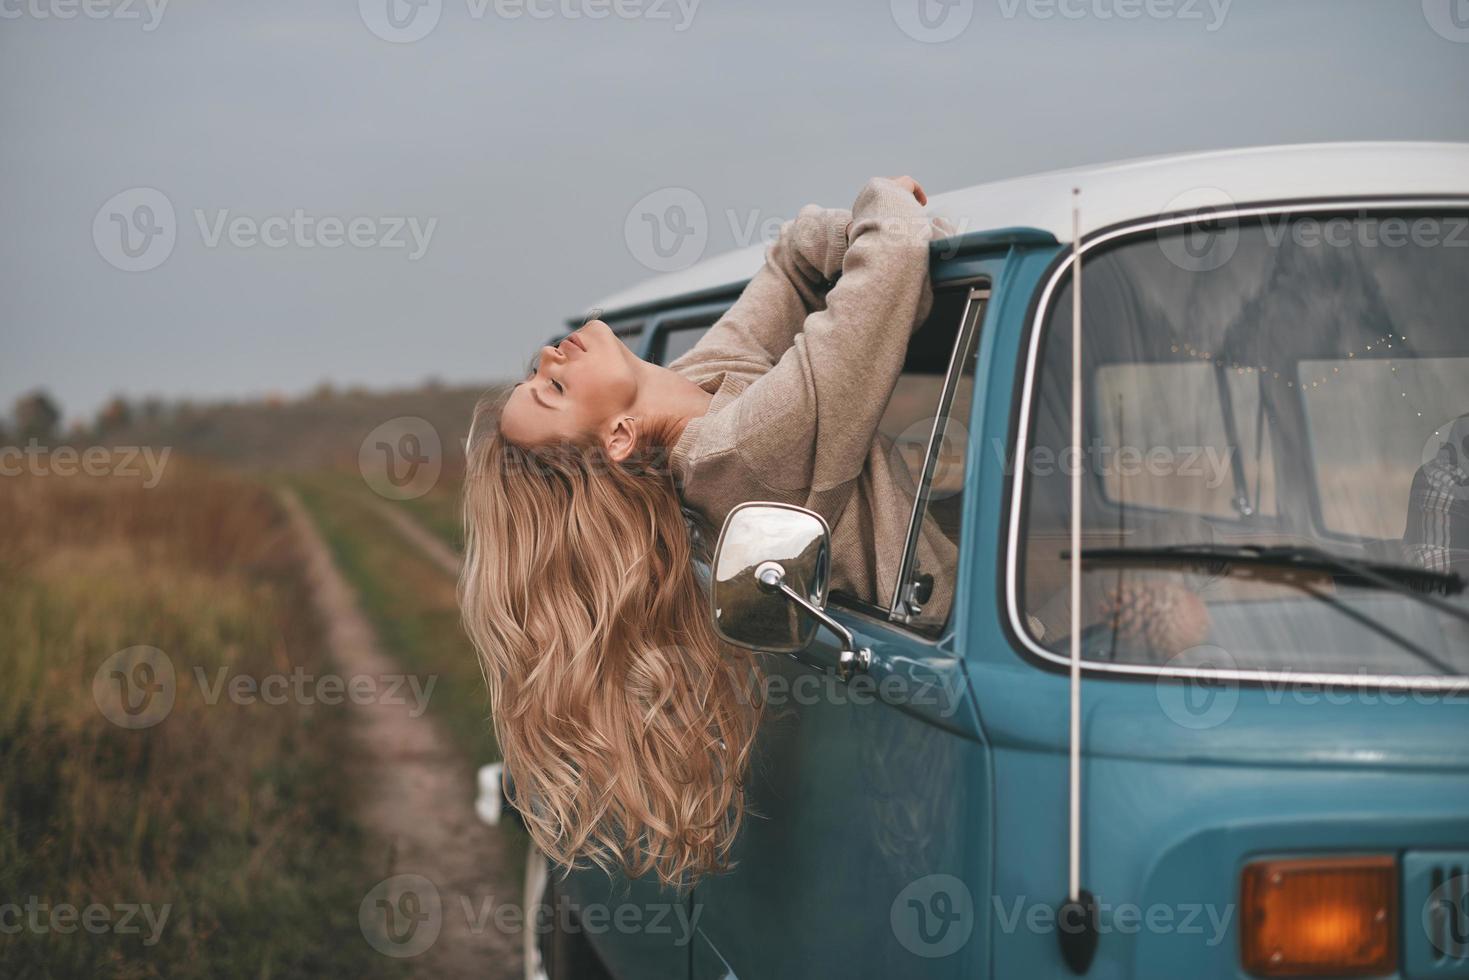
<point x="770" y="575"/>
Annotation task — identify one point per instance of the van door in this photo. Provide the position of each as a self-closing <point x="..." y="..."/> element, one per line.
<point x="867" y="850"/>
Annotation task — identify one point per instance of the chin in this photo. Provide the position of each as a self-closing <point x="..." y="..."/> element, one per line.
<point x="597" y="327"/>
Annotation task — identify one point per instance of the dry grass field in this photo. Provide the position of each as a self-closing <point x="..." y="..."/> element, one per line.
<point x="215" y="842"/>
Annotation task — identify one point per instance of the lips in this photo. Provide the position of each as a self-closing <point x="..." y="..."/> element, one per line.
<point x="578" y="342"/>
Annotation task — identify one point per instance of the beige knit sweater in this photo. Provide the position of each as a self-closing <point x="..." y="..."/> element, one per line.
<point x="801" y="371"/>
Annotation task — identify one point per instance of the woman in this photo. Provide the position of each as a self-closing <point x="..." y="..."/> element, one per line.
<point x="625" y="726"/>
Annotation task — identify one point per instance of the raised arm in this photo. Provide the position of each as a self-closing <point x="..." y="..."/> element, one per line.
<point x="798" y="270"/>
<point x="808" y="423"/>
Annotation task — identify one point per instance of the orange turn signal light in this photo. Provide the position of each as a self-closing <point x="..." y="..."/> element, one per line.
<point x="1320" y="917"/>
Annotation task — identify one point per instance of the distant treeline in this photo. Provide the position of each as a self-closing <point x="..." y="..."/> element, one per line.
<point x="324" y="427"/>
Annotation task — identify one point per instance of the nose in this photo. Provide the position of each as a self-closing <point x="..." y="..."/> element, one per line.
<point x="550" y="363"/>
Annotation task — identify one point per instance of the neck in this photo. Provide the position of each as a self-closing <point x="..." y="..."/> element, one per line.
<point x="662" y="394"/>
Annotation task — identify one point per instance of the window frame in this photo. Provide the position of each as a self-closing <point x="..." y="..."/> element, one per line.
<point x="966" y="348"/>
<point x="1237" y="518"/>
<point x="1023" y="424"/>
<point x="660" y="326"/>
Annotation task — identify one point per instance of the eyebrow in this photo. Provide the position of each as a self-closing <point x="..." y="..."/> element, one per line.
<point x="534" y="394"/>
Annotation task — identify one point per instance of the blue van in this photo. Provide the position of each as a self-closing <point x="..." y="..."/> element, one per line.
<point x="1272" y="625"/>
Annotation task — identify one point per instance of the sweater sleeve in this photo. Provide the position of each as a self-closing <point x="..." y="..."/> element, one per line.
<point x="809" y="422"/>
<point x="763" y="322"/>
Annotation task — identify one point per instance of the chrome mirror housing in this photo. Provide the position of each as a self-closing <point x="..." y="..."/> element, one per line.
<point x="771" y="570"/>
<point x="749" y="612"/>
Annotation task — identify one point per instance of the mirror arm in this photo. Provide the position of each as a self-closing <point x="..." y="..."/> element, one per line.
<point x="852" y="661"/>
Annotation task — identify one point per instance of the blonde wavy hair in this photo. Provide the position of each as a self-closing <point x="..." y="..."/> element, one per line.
<point x="626" y="726"/>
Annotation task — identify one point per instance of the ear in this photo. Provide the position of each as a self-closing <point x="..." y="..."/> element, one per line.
<point x="622" y="439"/>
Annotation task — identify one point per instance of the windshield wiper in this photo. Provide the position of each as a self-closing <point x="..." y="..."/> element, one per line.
<point x="1408" y="580"/>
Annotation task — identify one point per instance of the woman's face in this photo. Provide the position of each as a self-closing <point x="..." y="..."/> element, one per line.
<point x="578" y="390"/>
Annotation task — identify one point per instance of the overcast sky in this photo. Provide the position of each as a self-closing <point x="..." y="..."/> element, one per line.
<point x="491" y="151"/>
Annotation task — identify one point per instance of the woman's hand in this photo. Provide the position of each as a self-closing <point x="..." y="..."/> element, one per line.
<point x="912" y="187"/>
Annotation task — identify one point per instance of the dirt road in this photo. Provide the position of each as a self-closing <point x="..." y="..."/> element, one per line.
<point x="447" y="903"/>
<point x="432" y="548"/>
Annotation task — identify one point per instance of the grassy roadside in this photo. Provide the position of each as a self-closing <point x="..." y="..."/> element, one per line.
<point x="438" y="512"/>
<point x="409" y="600"/>
<point x="215" y="841"/>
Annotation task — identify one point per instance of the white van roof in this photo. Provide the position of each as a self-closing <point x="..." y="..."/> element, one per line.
<point x="1133" y="189"/>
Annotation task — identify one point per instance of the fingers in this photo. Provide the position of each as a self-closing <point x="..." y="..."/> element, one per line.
<point x="912" y="187"/>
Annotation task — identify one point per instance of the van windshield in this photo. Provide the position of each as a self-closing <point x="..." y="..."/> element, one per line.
<point x="1283" y="384"/>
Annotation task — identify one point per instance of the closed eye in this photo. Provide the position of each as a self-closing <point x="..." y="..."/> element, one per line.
<point x="557" y="385"/>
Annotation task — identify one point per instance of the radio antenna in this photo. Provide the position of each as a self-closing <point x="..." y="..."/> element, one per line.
<point x="1077" y="926"/>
